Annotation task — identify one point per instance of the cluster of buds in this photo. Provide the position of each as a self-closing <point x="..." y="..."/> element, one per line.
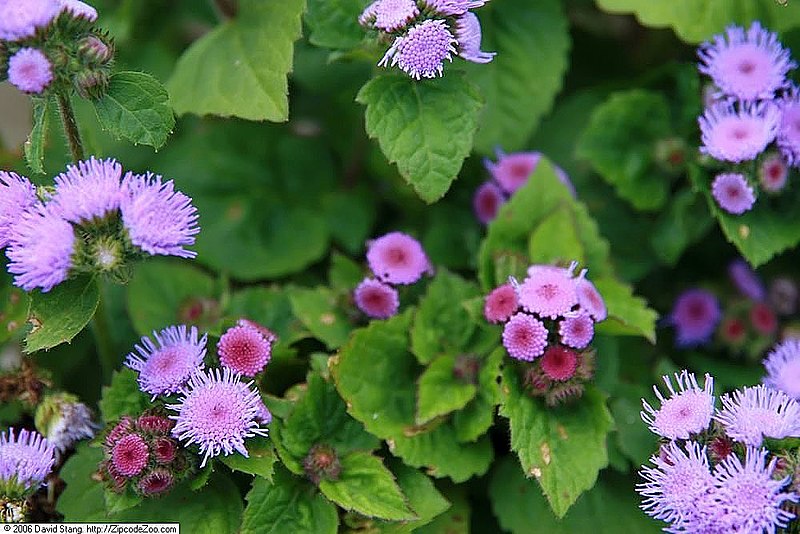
<point x="548" y="325"/>
<point x="141" y="455"/>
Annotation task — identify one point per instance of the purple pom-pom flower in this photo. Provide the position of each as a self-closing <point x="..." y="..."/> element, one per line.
<point x="376" y="299"/>
<point x="774" y="171"/>
<point x="389" y="15"/>
<point x="421" y="52"/>
<point x="746" y="280"/>
<point x="789" y="129"/>
<point x="752" y="413"/>
<point x="732" y="193"/>
<point x="79" y="9"/>
<point x="397" y="258"/>
<point x="487" y="202"/>
<point x="783" y="368"/>
<point x="88" y="191"/>
<point x="688" y="409"/>
<point x="576" y="330"/>
<point x="17" y="194"/>
<point x="451" y="7"/>
<point x="21" y="18"/>
<point x="695" y="316"/>
<point x="25" y="460"/>
<point x="524" y="337"/>
<point x="738" y="133"/>
<point x="30" y="71"/>
<point x="468" y="35"/>
<point x="548" y="291"/>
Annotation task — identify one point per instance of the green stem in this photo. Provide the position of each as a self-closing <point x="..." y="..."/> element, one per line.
<point x="70" y="126"/>
<point x="102" y="339"/>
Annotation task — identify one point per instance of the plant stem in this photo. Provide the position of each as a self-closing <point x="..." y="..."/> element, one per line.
<point x="70" y="126"/>
<point x="102" y="339"/>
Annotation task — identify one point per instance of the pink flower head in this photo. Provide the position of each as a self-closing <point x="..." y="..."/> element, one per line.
<point x="789" y="129"/>
<point x="119" y="431"/>
<point x="88" y="190"/>
<point x="244" y="350"/>
<point x="487" y="202"/>
<point x="17" y="194"/>
<point x="747" y="65"/>
<point x="738" y="133"/>
<point x="763" y="319"/>
<point x="695" y="316"/>
<point x="130" y="455"/>
<point x="30" y="71"/>
<point x="79" y="9"/>
<point x="688" y="409"/>
<point x="21" y="18"/>
<point x="449" y="8"/>
<point x="732" y="193"/>
<point x="576" y="330"/>
<point x="590" y="300"/>
<point x="773" y="172"/>
<point x="397" y="258"/>
<point x="512" y="171"/>
<point x="164" y="450"/>
<point x="733" y="330"/>
<point x="500" y="304"/>
<point x="752" y="413"/>
<point x="783" y="368"/>
<point x="559" y="363"/>
<point x="156" y="482"/>
<point x="376" y="299"/>
<point x="524" y="337"/>
<point x="550" y="292"/>
<point x="155" y="424"/>
<point x="468" y="35"/>
<point x="392" y="15"/>
<point x="421" y="52"/>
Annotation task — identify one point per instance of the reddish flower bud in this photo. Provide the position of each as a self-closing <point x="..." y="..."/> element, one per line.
<point x="322" y="463"/>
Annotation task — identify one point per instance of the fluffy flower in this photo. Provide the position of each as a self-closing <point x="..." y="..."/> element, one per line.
<point x="159" y="219"/>
<point x="244" y="350"/>
<point x="688" y="410"/>
<point x="549" y="292"/>
<point x="20" y="18"/>
<point x="559" y="363"/>
<point x="512" y="171"/>
<point x="752" y="413"/>
<point x="79" y="9"/>
<point x="789" y="129"/>
<point x="397" y="258"/>
<point x="576" y="330"/>
<point x="70" y="422"/>
<point x="695" y="316"/>
<point x="500" y="304"/>
<point x="733" y="193"/>
<point x="524" y="337"/>
<point x="155" y="424"/>
<point x="17" y="194"/>
<point x="130" y="455"/>
<point x="376" y="299"/>
<point x="421" y="52"/>
<point x="367" y="16"/>
<point x="41" y="249"/>
<point x="30" y="71"/>
<point x="747" y="65"/>
<point x="487" y="202"/>
<point x="468" y="35"/>
<point x="452" y="7"/>
<point x="746" y="280"/>
<point x="773" y="172"/>
<point x="27" y="458"/>
<point x="217" y="412"/>
<point x="783" y="368"/>
<point x="87" y="191"/>
<point x="166" y="365"/>
<point x="392" y="15"/>
<point x="736" y="134"/>
<point x="119" y="431"/>
<point x="590" y="300"/>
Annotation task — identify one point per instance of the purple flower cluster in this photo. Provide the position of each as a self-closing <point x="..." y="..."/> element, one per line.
<point x="509" y="173"/>
<point x="94" y="221"/>
<point x="25" y="461"/>
<point x="753" y="106"/>
<point x="426" y="33"/>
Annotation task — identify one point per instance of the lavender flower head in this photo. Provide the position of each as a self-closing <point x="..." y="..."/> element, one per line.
<point x="88" y="191"/>
<point x="695" y="316"/>
<point x="783" y="368"/>
<point x="468" y="35"/>
<point x="732" y="193"/>
<point x="21" y="18"/>
<point x="30" y="71"/>
<point x="512" y="171"/>
<point x="64" y="421"/>
<point x="166" y="365"/>
<point x="25" y="460"/>
<point x="397" y="258"/>
<point x="79" y="9"/>
<point x="747" y="65"/>
<point x="159" y="219"/>
<point x="746" y="280"/>
<point x="17" y="194"/>
<point x="217" y="412"/>
<point x="774" y="171"/>
<point x="688" y="409"/>
<point x="524" y="337"/>
<point x="550" y="292"/>
<point x="576" y="330"/>
<point x="41" y="248"/>
<point x="421" y="52"/>
<point x="376" y="299"/>
<point x="389" y="15"/>
<point x="487" y="202"/>
<point x="789" y="129"/>
<point x="451" y="7"/>
<point x="738" y="133"/>
<point x="752" y="413"/>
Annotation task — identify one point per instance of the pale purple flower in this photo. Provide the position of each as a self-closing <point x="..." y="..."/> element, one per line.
<point x="21" y="18"/>
<point x="376" y="299"/>
<point x="451" y="7"/>
<point x="550" y="292"/>
<point x="159" y="219"/>
<point x="500" y="304"/>
<point x="688" y="409"/>
<point x="512" y="171"/>
<point x="746" y="280"/>
<point x="524" y="337"/>
<point x="392" y="15"/>
<point x="576" y="330"/>
<point x="783" y="368"/>
<point x="590" y="299"/>
<point x="752" y="413"/>
<point x="40" y="249"/>
<point x="30" y="71"/>
<point x="695" y="316"/>
<point x="738" y="133"/>
<point x="783" y="294"/>
<point x="468" y="35"/>
<point x="789" y="128"/>
<point x="367" y="16"/>
<point x="245" y="349"/>
<point x="747" y="65"/>
<point x="421" y="52"/>
<point x="397" y="258"/>
<point x="167" y="364"/>
<point x="487" y="202"/>
<point x="17" y="194"/>
<point x="773" y="171"/>
<point x="27" y="457"/>
<point x="732" y="193"/>
<point x="217" y="412"/>
<point x="88" y="191"/>
<point x="79" y="9"/>
<point x="70" y="422"/>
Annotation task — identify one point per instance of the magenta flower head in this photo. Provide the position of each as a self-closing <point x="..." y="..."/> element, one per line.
<point x="88" y="191"/>
<point x="468" y="35"/>
<point x="30" y="71"/>
<point x="590" y="299"/>
<point x="421" y="52"/>
<point x="245" y="349"/>
<point x="549" y="291"/>
<point x="40" y="251"/>
<point x="501" y="304"/>
<point x="397" y="258"/>
<point x="695" y="316"/>
<point x="752" y="413"/>
<point x="130" y="455"/>
<point x="512" y="171"/>
<point x="747" y="65"/>
<point x="159" y="219"/>
<point x="17" y="194"/>
<point x="746" y="280"/>
<point x="376" y="299"/>
<point x="167" y="364"/>
<point x="688" y="409"/>
<point x="79" y="9"/>
<point x="25" y="460"/>
<point x="449" y="8"/>
<point x="738" y="133"/>
<point x="487" y="202"/>
<point x="783" y="368"/>
<point x="389" y="15"/>
<point x="732" y="193"/>
<point x="576" y="330"/>
<point x="747" y="497"/>
<point x="524" y="337"/>
<point x="773" y="172"/>
<point x="217" y="412"/>
<point x="21" y="18"/>
<point x="559" y="363"/>
<point x="789" y="129"/>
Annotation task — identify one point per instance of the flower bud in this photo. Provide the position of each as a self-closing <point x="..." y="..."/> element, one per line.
<point x="96" y="50"/>
<point x="670" y="154"/>
<point x="322" y="464"/>
<point x="91" y="84"/>
<point x="64" y="421"/>
<point x="467" y="368"/>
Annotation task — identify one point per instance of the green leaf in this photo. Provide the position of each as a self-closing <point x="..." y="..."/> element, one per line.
<point x="475" y="419"/>
<point x="136" y="107"/>
<point x="425" y="127"/>
<point x="287" y="504"/>
<point x="344" y="274"/>
<point x="455" y="520"/>
<point x="620" y="140"/>
<point x="627" y="314"/>
<point x="564" y="447"/>
<point x="634" y="439"/>
<point x="556" y="239"/>
<point x="440" y="392"/>
<point x="321" y="312"/>
<point x="334" y="23"/>
<point x="240" y="68"/>
<point x="685" y="222"/>
<point x="423" y="498"/>
<point x="119" y="502"/>
<point x="441" y="323"/>
<point x="366" y="486"/>
<point x="82" y="499"/>
<point x="123" y="396"/>
<point x="532" y="43"/>
<point x="34" y="145"/>
<point x="269" y="306"/>
<point x="14" y="305"/>
<point x="261" y="460"/>
<point x="60" y="314"/>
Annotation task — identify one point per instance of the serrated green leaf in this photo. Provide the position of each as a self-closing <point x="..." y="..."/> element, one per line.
<point x="685" y="222"/>
<point x="455" y="520"/>
<point x="627" y="313"/>
<point x="261" y="459"/>
<point x="366" y="486"/>
<point x="556" y="238"/>
<point x="475" y="419"/>
<point x="320" y="310"/>
<point x="440" y="392"/>
<point x="34" y="145"/>
<point x="123" y="396"/>
<point x="423" y="499"/>
<point x="136" y="107"/>
<point x="240" y="68"/>
<point x="334" y="23"/>
<point x="82" y="499"/>
<point x="634" y="439"/>
<point x="344" y="274"/>
<point x="119" y="502"/>
<point x="564" y="447"/>
<point x="60" y="314"/>
<point x="425" y="127"/>
<point x="619" y="142"/>
<point x="268" y="306"/>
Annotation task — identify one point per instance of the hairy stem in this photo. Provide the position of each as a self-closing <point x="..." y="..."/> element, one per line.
<point x="70" y="126"/>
